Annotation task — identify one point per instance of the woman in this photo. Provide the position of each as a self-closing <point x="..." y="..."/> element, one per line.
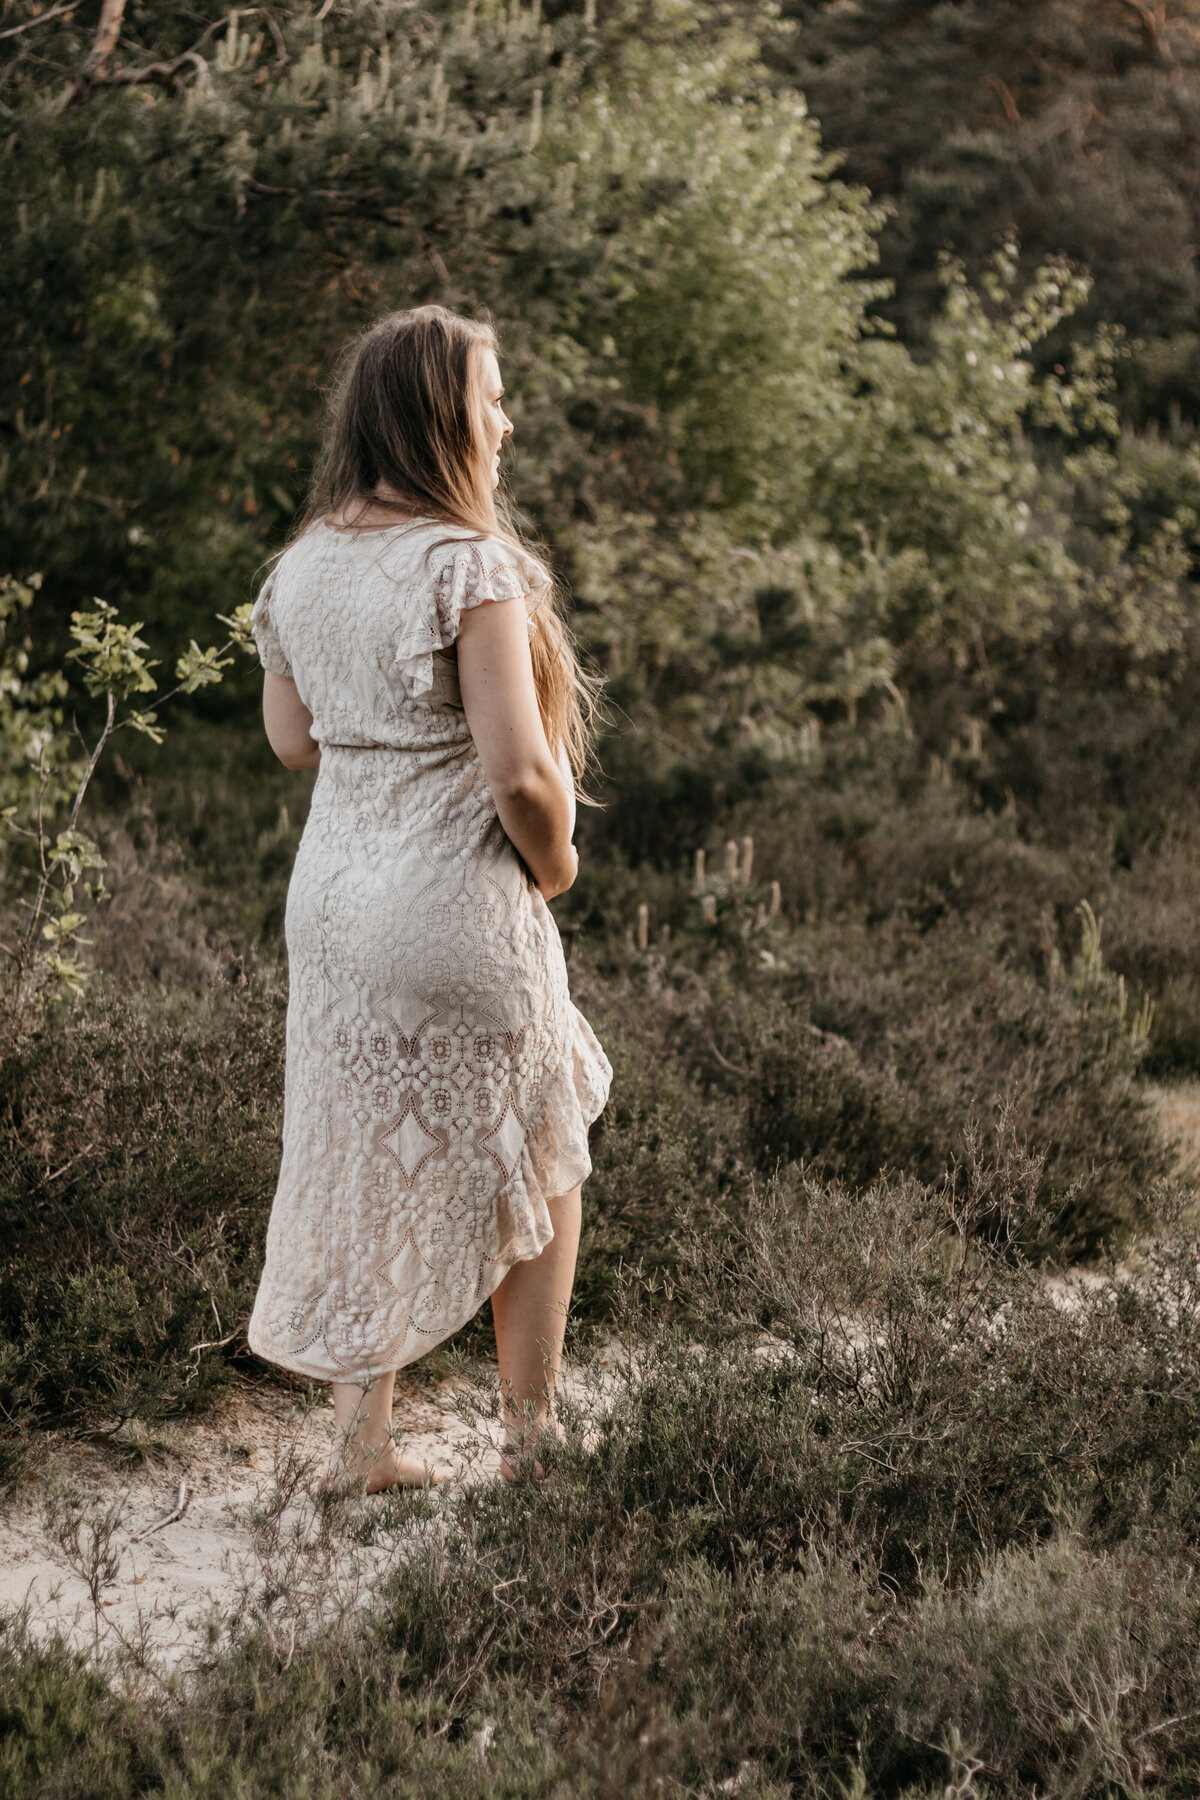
<point x="439" y="1081"/>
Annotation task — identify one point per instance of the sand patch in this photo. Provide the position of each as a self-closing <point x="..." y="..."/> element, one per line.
<point x="155" y="1561"/>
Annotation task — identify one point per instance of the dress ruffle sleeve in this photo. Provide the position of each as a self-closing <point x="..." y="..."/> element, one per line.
<point x="270" y="650"/>
<point x="459" y="575"/>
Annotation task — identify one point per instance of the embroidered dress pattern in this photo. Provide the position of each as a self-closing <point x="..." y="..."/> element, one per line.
<point x="439" y="1080"/>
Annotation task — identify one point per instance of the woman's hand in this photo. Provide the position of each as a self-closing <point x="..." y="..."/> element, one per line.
<point x="495" y="674"/>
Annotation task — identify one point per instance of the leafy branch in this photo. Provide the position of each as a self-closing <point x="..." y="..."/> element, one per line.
<point x="44" y="787"/>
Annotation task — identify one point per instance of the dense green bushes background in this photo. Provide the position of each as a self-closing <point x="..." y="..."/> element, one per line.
<point x="764" y="502"/>
<point x="889" y="561"/>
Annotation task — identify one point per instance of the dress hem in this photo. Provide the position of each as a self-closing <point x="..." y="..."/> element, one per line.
<point x="359" y="1377"/>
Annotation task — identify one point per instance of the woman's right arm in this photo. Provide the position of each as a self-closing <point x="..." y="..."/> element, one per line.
<point x="495" y="674"/>
<point x="288" y="723"/>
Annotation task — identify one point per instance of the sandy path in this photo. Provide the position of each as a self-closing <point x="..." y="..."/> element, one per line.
<point x="250" y="1524"/>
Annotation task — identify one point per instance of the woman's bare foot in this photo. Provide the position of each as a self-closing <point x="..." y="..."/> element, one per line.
<point x="387" y="1468"/>
<point x="516" y="1463"/>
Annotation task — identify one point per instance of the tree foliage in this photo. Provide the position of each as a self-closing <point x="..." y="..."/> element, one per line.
<point x="1071" y="123"/>
<point x="767" y="507"/>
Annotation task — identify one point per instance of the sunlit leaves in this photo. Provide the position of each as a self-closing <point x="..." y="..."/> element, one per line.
<point x="72" y="852"/>
<point x="46" y="769"/>
<point x="238" y="624"/>
<point x="110" y="653"/>
<point x="199" y="668"/>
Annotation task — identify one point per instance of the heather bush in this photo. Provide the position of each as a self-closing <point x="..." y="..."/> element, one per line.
<point x="852" y="1046"/>
<point x="1062" y="1667"/>
<point x="136" y="1171"/>
<point x="884" y="1515"/>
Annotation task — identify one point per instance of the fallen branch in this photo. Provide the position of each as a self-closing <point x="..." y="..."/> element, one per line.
<point x="185" y="1494"/>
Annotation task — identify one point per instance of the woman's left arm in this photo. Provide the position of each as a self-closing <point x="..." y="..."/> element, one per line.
<point x="289" y="724"/>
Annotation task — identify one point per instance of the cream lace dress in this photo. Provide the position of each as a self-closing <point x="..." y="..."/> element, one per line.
<point x="440" y="1082"/>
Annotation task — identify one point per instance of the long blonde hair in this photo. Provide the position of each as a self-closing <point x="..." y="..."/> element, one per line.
<point x="407" y="411"/>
